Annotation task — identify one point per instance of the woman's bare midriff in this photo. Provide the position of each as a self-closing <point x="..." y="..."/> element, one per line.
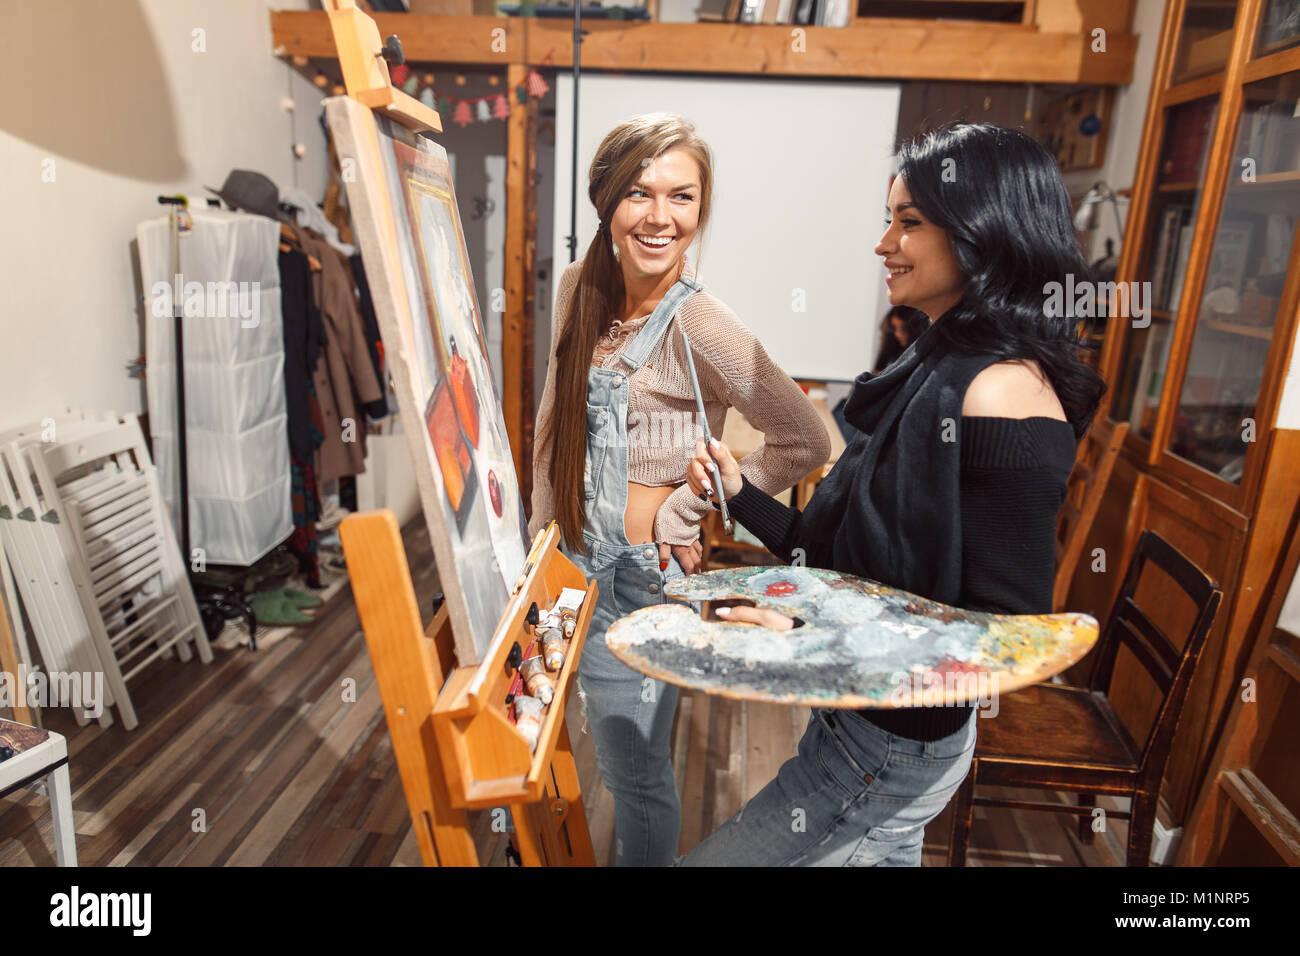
<point x="643" y="503"/>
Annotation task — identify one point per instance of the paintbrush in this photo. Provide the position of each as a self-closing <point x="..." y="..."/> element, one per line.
<point x="534" y="553"/>
<point x="708" y="436"/>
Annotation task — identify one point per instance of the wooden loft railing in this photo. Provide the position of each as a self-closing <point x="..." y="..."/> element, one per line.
<point x="866" y="49"/>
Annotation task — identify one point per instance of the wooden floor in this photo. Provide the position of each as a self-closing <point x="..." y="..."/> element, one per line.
<point x="258" y="759"/>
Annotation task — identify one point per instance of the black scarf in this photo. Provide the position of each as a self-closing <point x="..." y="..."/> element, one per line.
<point x="892" y="503"/>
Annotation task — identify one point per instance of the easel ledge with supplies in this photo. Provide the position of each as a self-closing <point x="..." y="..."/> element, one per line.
<point x="457" y="749"/>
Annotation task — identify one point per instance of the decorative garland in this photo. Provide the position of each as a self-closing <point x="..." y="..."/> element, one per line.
<point x="463" y="111"/>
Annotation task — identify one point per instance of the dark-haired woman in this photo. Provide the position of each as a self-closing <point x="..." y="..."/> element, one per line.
<point x="950" y="491"/>
<point x="901" y="327"/>
<point x="617" y="425"/>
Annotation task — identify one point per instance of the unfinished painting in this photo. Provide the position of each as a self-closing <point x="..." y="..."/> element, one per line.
<point x="409" y="229"/>
<point x="863" y="644"/>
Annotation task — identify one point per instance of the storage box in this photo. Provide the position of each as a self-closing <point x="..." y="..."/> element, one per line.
<point x="454" y="8"/>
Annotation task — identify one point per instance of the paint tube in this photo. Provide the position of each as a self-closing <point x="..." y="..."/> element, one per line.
<point x="539" y="684"/>
<point x="570" y="622"/>
<point x="553" y="648"/>
<point x="548" y="620"/>
<point x="528" y="719"/>
<point x="568" y="604"/>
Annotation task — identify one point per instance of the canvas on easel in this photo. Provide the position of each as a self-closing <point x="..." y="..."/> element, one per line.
<point x="408" y="227"/>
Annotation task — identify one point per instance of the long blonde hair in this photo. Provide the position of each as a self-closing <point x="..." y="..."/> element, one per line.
<point x="624" y="152"/>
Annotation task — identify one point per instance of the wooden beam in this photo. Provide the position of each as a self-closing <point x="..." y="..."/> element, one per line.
<point x="426" y="38"/>
<point x="869" y="49"/>
<point x="526" y="341"/>
<point x="880" y="49"/>
<point x="521" y="246"/>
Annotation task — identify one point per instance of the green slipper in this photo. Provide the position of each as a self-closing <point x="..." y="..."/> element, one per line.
<point x="273" y="608"/>
<point x="298" y="598"/>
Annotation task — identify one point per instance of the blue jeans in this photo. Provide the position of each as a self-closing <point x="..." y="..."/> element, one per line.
<point x="854" y="795"/>
<point x="630" y="715"/>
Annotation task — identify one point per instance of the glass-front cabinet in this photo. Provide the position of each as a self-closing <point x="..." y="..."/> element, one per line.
<point x="1180" y="174"/>
<point x="1237" y="315"/>
<point x="1205" y="40"/>
<point x="1220" y="205"/>
<point x="1199" y="373"/>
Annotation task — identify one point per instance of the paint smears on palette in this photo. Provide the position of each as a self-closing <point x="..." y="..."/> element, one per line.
<point x="864" y="644"/>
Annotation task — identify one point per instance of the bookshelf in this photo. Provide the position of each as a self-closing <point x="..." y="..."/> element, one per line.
<point x="1207" y="463"/>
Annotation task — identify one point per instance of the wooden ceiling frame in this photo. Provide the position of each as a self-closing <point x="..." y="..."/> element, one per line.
<point x="877" y="49"/>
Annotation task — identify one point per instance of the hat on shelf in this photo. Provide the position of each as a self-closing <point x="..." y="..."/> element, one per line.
<point x="251" y="192"/>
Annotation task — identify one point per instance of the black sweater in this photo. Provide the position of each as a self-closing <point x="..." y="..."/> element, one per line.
<point x="1013" y="478"/>
<point x="963" y="515"/>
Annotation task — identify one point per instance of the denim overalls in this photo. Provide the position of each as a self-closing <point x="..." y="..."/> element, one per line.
<point x="630" y="715"/>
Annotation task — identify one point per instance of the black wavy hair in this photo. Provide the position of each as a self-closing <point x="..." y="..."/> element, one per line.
<point x="998" y="195"/>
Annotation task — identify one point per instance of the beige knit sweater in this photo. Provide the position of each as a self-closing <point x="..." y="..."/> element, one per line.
<point x="734" y="371"/>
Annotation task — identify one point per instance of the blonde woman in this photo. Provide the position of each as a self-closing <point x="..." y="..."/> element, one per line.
<point x="617" y="426"/>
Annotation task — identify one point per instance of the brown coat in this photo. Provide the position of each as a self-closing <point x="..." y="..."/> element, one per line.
<point x="344" y="377"/>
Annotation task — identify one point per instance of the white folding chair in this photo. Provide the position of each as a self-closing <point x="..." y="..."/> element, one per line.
<point x="106" y="485"/>
<point x="44" y="580"/>
<point x="12" y="568"/>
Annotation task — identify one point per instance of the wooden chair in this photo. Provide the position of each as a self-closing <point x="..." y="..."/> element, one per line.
<point x="1057" y="737"/>
<point x="720" y="550"/>
<point x="1092" y="468"/>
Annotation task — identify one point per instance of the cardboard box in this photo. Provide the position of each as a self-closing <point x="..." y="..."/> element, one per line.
<point x="454" y="8"/>
<point x="1083" y="16"/>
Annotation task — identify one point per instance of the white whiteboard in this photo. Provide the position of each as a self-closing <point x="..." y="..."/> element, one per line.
<point x="801" y="178"/>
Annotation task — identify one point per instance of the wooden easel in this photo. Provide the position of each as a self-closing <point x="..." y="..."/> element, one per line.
<point x="9" y="658"/>
<point x="456" y="747"/>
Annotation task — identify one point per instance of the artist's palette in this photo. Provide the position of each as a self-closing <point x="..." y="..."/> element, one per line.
<point x="864" y="644"/>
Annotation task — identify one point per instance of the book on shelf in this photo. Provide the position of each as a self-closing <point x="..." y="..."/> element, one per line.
<point x="785" y="11"/>
<point x="836" y="13"/>
<point x="1185" y="232"/>
<point x="1150" y="378"/>
<point x="1159" y="271"/>
<point x="1187" y="140"/>
<point x="751" y="11"/>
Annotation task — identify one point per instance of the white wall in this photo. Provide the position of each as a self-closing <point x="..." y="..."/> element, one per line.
<point x="115" y="95"/>
<point x="801" y="174"/>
